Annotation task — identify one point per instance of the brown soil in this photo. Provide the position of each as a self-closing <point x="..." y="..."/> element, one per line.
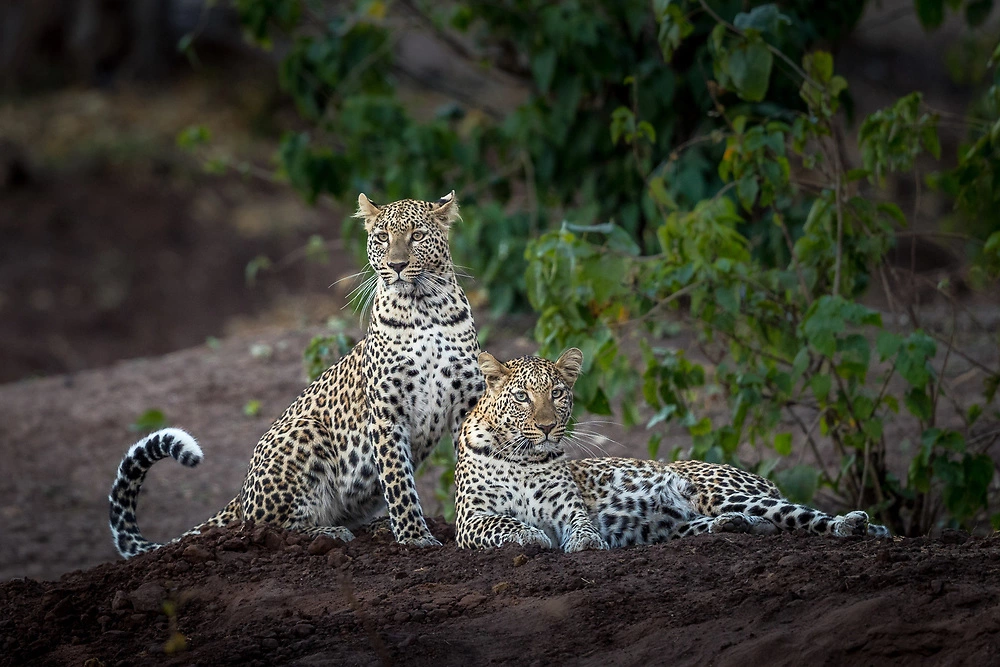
<point x="256" y="596"/>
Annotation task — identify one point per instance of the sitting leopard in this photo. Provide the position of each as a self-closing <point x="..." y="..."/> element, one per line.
<point x="514" y="483"/>
<point x="348" y="446"/>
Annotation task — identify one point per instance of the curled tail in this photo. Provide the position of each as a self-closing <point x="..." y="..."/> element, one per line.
<point x="131" y="473"/>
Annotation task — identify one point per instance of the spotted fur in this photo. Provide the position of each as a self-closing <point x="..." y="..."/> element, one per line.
<point x="514" y="483"/>
<point x="348" y="446"/>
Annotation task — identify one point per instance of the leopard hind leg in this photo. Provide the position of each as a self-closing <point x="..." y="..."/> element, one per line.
<point x="297" y="482"/>
<point x="726" y="522"/>
<point x="787" y="515"/>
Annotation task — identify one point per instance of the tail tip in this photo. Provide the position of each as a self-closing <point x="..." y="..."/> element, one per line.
<point x="185" y="448"/>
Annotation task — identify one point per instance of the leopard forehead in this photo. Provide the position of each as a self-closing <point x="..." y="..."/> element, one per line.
<point x="533" y="373"/>
<point x="405" y="214"/>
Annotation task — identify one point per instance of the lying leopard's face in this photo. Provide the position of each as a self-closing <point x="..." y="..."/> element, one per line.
<point x="408" y="242"/>
<point x="529" y="401"/>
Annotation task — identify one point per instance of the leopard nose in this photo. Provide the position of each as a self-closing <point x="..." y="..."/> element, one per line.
<point x="546" y="428"/>
<point x="398" y="266"/>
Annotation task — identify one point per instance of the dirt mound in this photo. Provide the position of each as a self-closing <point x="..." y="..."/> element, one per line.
<point x="260" y="596"/>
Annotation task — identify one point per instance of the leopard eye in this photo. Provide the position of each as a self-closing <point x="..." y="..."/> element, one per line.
<point x="558" y="392"/>
<point x="521" y="395"/>
<point x="382" y="237"/>
<point x="418" y="236"/>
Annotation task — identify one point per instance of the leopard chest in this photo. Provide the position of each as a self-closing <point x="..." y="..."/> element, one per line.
<point x="419" y="376"/>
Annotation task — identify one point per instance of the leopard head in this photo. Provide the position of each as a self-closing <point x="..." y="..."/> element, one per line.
<point x="529" y="401"/>
<point x="408" y="242"/>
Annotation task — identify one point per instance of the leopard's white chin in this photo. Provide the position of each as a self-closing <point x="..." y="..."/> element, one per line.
<point x="548" y="446"/>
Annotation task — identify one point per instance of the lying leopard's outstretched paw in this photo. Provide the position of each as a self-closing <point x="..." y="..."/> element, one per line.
<point x="852" y="523"/>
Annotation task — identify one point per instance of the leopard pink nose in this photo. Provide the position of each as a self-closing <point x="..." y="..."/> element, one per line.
<point x="398" y="266"/>
<point x="546" y="428"/>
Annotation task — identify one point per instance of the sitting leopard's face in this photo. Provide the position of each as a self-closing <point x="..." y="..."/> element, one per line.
<point x="408" y="242"/>
<point x="528" y="403"/>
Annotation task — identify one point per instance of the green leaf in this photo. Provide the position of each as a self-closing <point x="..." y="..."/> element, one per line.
<point x="801" y="362"/>
<point x="674" y="26"/>
<point x="747" y="190"/>
<point x="543" y="67"/>
<point x="599" y="405"/>
<point x="151" y="420"/>
<point x="192" y="136"/>
<point x="653" y="445"/>
<point x="819" y="65"/>
<point x="701" y="427"/>
<point x="887" y="344"/>
<point x="930" y="12"/>
<point x="749" y="68"/>
<point x="918" y="403"/>
<point x="765" y="18"/>
<point x="783" y="443"/>
<point x="820" y="385"/>
<point x="893" y="211"/>
<point x="798" y="483"/>
<point x="728" y="296"/>
<point x="977" y="11"/>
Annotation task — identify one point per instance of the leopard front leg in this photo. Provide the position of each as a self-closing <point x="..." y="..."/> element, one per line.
<point x="582" y="537"/>
<point x="578" y="531"/>
<point x="485" y="531"/>
<point x="394" y="461"/>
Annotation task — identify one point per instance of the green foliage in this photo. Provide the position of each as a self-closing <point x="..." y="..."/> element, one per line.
<point x="579" y="64"/>
<point x="974" y="184"/>
<point x="443" y="458"/>
<point x="322" y="352"/>
<point x="151" y="420"/>
<point x="787" y="341"/>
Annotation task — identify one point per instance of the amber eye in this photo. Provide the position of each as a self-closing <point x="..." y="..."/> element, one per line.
<point x="521" y="395"/>
<point x="558" y="392"/>
<point x="382" y="237"/>
<point x="418" y="236"/>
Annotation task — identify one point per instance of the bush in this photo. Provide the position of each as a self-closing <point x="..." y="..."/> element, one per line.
<point x="788" y="342"/>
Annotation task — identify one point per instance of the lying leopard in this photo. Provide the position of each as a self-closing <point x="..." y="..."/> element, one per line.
<point x="515" y="484"/>
<point x="347" y="447"/>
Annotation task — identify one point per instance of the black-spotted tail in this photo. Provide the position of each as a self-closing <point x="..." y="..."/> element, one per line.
<point x="132" y="471"/>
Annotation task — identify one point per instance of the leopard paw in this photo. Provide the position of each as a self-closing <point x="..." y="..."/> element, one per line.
<point x="731" y="522"/>
<point x="852" y="523"/>
<point x="336" y="532"/>
<point x="528" y="536"/>
<point x="583" y="541"/>
<point x="421" y="541"/>
<point x="878" y="530"/>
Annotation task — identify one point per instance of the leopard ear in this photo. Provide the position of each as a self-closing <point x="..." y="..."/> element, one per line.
<point x="569" y="364"/>
<point x="367" y="211"/>
<point x="445" y="210"/>
<point x="494" y="372"/>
